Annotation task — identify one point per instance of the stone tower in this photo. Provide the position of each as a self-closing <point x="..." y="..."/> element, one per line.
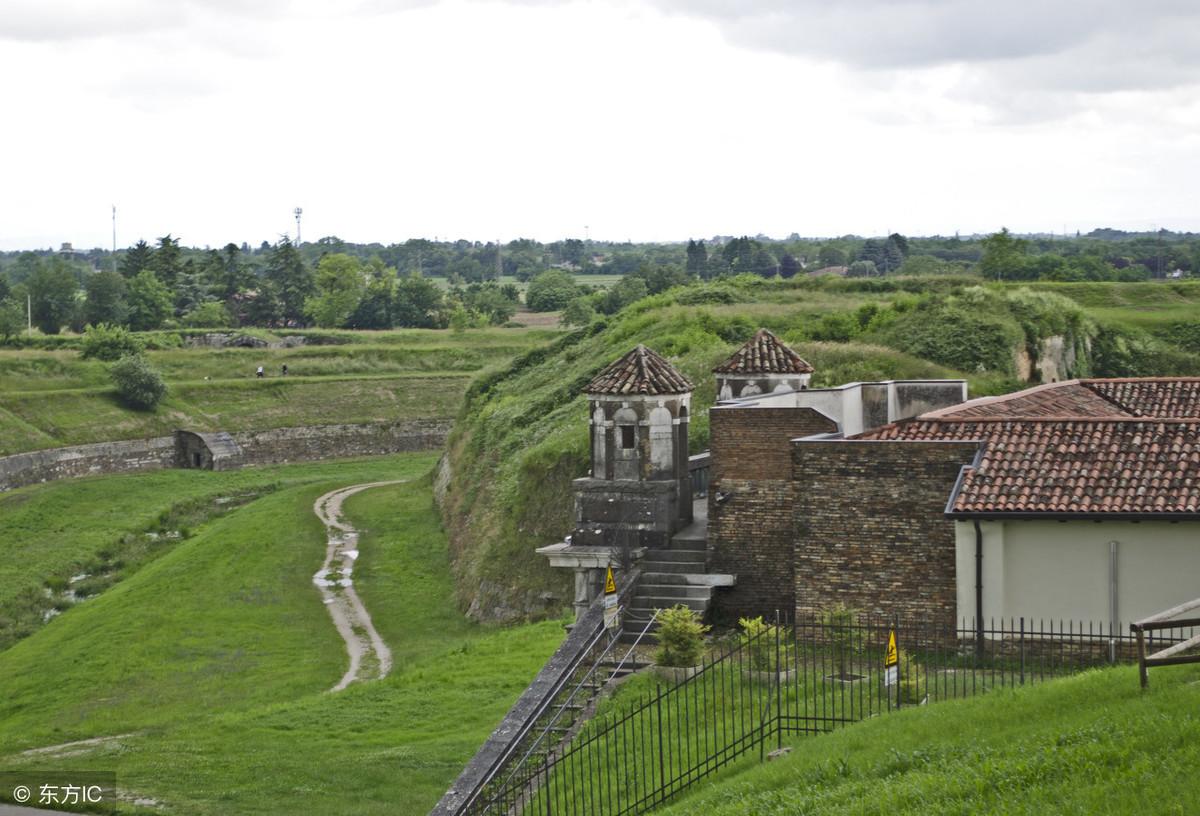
<point x="763" y="365"/>
<point x="639" y="492"/>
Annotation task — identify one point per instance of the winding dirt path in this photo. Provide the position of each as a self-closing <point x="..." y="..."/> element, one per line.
<point x="370" y="658"/>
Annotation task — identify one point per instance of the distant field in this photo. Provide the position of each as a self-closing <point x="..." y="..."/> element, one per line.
<point x="54" y="398"/>
<point x="210" y="666"/>
<point x="598" y="281"/>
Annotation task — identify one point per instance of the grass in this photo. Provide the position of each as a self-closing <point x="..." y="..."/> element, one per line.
<point x="211" y="663"/>
<point x="1092" y="743"/>
<point x="54" y="398"/>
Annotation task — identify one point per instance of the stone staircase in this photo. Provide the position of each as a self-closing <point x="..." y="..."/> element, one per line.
<point x="672" y="575"/>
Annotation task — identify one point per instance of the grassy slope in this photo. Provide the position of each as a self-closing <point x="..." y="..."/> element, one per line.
<point x="53" y="398"/>
<point x="216" y="657"/>
<point x="1092" y="743"/>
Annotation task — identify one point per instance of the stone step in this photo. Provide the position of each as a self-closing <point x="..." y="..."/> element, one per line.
<point x="674" y="590"/>
<point x="644" y="606"/>
<point x="680" y="567"/>
<point x="706" y="579"/>
<point x="660" y="555"/>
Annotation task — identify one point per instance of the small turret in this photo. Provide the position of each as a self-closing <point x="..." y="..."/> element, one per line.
<point x="763" y="365"/>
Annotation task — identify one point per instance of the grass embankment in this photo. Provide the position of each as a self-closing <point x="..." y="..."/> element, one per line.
<point x="1092" y="743"/>
<point x="211" y="663"/>
<point x="54" y="398"/>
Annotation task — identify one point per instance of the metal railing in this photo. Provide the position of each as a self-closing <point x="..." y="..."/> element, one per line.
<point x="808" y="676"/>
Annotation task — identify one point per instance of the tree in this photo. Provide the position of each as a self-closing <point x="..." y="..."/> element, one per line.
<point x="418" y="303"/>
<point x="226" y="273"/>
<point x="138" y="385"/>
<point x="697" y="259"/>
<point x="108" y="343"/>
<point x="208" y="315"/>
<point x="12" y="318"/>
<point x="550" y="291"/>
<point x="149" y="302"/>
<point x="340" y="286"/>
<point x="830" y="255"/>
<point x="52" y="289"/>
<point x="137" y="258"/>
<point x="293" y="280"/>
<point x="1003" y="255"/>
<point x="261" y="307"/>
<point x="625" y="291"/>
<point x="862" y="269"/>
<point x="105" y="299"/>
<point x="661" y="277"/>
<point x="490" y="303"/>
<point x="789" y="267"/>
<point x="579" y="312"/>
<point x="167" y="261"/>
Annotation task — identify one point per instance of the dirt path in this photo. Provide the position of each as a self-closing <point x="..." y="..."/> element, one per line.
<point x="370" y="658"/>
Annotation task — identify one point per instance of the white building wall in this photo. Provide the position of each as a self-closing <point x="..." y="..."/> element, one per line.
<point x="1062" y="570"/>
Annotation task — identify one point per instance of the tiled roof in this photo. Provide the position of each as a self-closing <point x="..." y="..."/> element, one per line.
<point x="1094" y="447"/>
<point x="1175" y="397"/>
<point x="1151" y="397"/>
<point x="641" y="371"/>
<point x="764" y="353"/>
<point x="1066" y="399"/>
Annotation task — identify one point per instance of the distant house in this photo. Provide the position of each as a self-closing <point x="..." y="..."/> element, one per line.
<point x="830" y="270"/>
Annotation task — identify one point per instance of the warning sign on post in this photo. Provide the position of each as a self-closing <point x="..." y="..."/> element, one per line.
<point x="612" y="612"/>
<point x="891" y="661"/>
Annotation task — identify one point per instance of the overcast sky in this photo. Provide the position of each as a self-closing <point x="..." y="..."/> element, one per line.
<point x="619" y="119"/>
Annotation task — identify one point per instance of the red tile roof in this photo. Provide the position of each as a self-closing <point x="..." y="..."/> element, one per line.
<point x="764" y="353"/>
<point x="641" y="371"/>
<point x="1098" y="448"/>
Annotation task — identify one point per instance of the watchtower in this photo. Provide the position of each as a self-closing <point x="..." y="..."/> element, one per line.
<point x="639" y="492"/>
<point x="763" y="365"/>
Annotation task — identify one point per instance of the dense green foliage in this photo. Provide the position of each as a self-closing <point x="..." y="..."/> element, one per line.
<point x="680" y="637"/>
<point x="138" y="385"/>
<point x="210" y="664"/>
<point x="108" y="343"/>
<point x="1093" y="743"/>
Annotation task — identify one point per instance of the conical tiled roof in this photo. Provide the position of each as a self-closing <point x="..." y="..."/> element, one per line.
<point x="764" y="353"/>
<point x="641" y="371"/>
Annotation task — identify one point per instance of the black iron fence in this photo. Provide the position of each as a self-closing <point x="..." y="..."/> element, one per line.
<point x="807" y="676"/>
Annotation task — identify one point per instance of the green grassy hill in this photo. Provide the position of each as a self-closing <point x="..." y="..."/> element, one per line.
<point x="1093" y="743"/>
<point x="50" y="398"/>
<point x="209" y="663"/>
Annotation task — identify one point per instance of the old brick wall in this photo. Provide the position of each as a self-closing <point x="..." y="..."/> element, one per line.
<point x="870" y="530"/>
<point x="309" y="443"/>
<point x="128" y="456"/>
<point x="316" y="442"/>
<point x="750" y="533"/>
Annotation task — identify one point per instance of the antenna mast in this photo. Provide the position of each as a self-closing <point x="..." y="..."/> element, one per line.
<point x="298" y="212"/>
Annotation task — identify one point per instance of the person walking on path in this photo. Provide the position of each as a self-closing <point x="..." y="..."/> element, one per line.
<point x="259" y="373"/>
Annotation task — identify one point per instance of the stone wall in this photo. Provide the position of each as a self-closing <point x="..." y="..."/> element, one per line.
<point x="750" y="500"/>
<point x="309" y="443"/>
<point x="870" y="529"/>
<point x="129" y="456"/>
<point x="316" y="442"/>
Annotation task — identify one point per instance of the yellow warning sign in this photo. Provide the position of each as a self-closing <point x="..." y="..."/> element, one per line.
<point x="610" y="586"/>
<point x="893" y="658"/>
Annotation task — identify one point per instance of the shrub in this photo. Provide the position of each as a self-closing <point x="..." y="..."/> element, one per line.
<point x="680" y="637"/>
<point x="209" y="315"/>
<point x="846" y="641"/>
<point x="912" y="681"/>
<point x="766" y="644"/>
<point x="550" y="291"/>
<point x="138" y="385"/>
<point x="107" y="342"/>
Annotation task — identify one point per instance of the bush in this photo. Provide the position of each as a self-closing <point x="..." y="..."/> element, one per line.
<point x="209" y="315"/>
<point x="912" y="681"/>
<point x="761" y="639"/>
<point x="138" y="385"/>
<point x="108" y="343"/>
<point x="550" y="291"/>
<point x="680" y="637"/>
<point x="844" y="638"/>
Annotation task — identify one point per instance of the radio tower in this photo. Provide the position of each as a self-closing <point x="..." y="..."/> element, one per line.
<point x="298" y="213"/>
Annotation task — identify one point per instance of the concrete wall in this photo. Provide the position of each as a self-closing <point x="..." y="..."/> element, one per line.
<point x="260" y="447"/>
<point x="1062" y="570"/>
<point x="870" y="529"/>
<point x="750" y="501"/>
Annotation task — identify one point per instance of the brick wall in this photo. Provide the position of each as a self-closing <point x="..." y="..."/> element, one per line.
<point x="750" y="534"/>
<point x="870" y="531"/>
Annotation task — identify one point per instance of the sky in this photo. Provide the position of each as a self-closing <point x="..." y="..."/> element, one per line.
<point x="642" y="120"/>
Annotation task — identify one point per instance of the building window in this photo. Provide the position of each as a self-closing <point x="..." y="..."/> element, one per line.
<point x="628" y="437"/>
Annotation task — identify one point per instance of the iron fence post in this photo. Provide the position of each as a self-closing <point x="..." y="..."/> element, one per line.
<point x="1022" y="651"/>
